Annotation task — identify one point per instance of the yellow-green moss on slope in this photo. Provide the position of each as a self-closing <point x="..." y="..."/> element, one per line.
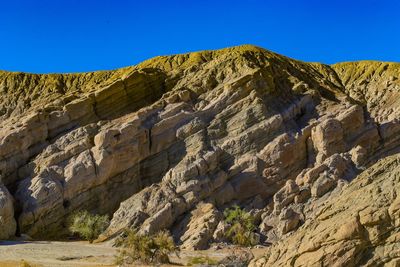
<point x="374" y="84"/>
<point x="21" y="90"/>
<point x="201" y="70"/>
<point x="357" y="72"/>
<point x="280" y="72"/>
<point x="183" y="61"/>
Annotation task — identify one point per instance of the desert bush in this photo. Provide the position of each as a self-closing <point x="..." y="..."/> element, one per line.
<point x="241" y="227"/>
<point x="88" y="226"/>
<point x="147" y="249"/>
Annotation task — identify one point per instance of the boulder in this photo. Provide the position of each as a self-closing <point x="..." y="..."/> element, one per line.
<point x="285" y="195"/>
<point x="289" y="220"/>
<point x="328" y="139"/>
<point x="322" y="185"/>
<point x="197" y="229"/>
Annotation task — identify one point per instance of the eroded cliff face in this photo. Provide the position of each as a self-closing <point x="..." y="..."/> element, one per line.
<point x="171" y="142"/>
<point x="356" y="226"/>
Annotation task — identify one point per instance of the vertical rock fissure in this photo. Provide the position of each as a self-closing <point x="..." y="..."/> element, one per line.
<point x="149" y="139"/>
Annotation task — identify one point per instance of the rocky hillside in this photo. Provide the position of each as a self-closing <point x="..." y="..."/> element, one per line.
<point x="172" y="142"/>
<point x="355" y="226"/>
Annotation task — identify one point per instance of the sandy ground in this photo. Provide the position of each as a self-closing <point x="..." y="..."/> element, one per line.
<point x="43" y="253"/>
<point x="77" y="253"/>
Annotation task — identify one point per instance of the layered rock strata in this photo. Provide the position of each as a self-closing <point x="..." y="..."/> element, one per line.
<point x="356" y="226"/>
<point x="172" y="142"/>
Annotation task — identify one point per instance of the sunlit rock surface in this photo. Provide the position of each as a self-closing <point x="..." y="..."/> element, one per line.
<point x="172" y="142"/>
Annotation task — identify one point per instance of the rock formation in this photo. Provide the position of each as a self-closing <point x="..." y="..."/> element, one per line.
<point x="7" y="221"/>
<point x="356" y="226"/>
<point x="172" y="142"/>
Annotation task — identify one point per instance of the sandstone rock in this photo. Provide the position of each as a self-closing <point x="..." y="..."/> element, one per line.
<point x="352" y="121"/>
<point x="240" y="126"/>
<point x="328" y="139"/>
<point x="160" y="220"/>
<point x="394" y="212"/>
<point x="224" y="195"/>
<point x="339" y="235"/>
<point x="303" y="195"/>
<point x="289" y="220"/>
<point x="79" y="174"/>
<point x="197" y="228"/>
<point x="7" y="221"/>
<point x="284" y="157"/>
<point x="220" y="232"/>
<point x="265" y="227"/>
<point x="285" y="195"/>
<point x="322" y="185"/>
<point x="308" y="176"/>
<point x="42" y="204"/>
<point x="375" y="93"/>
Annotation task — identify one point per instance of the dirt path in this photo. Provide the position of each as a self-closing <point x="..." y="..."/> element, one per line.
<point x="71" y="254"/>
<point x="64" y="254"/>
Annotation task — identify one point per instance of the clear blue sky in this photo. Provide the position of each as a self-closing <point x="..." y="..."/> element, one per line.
<point x="44" y="36"/>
